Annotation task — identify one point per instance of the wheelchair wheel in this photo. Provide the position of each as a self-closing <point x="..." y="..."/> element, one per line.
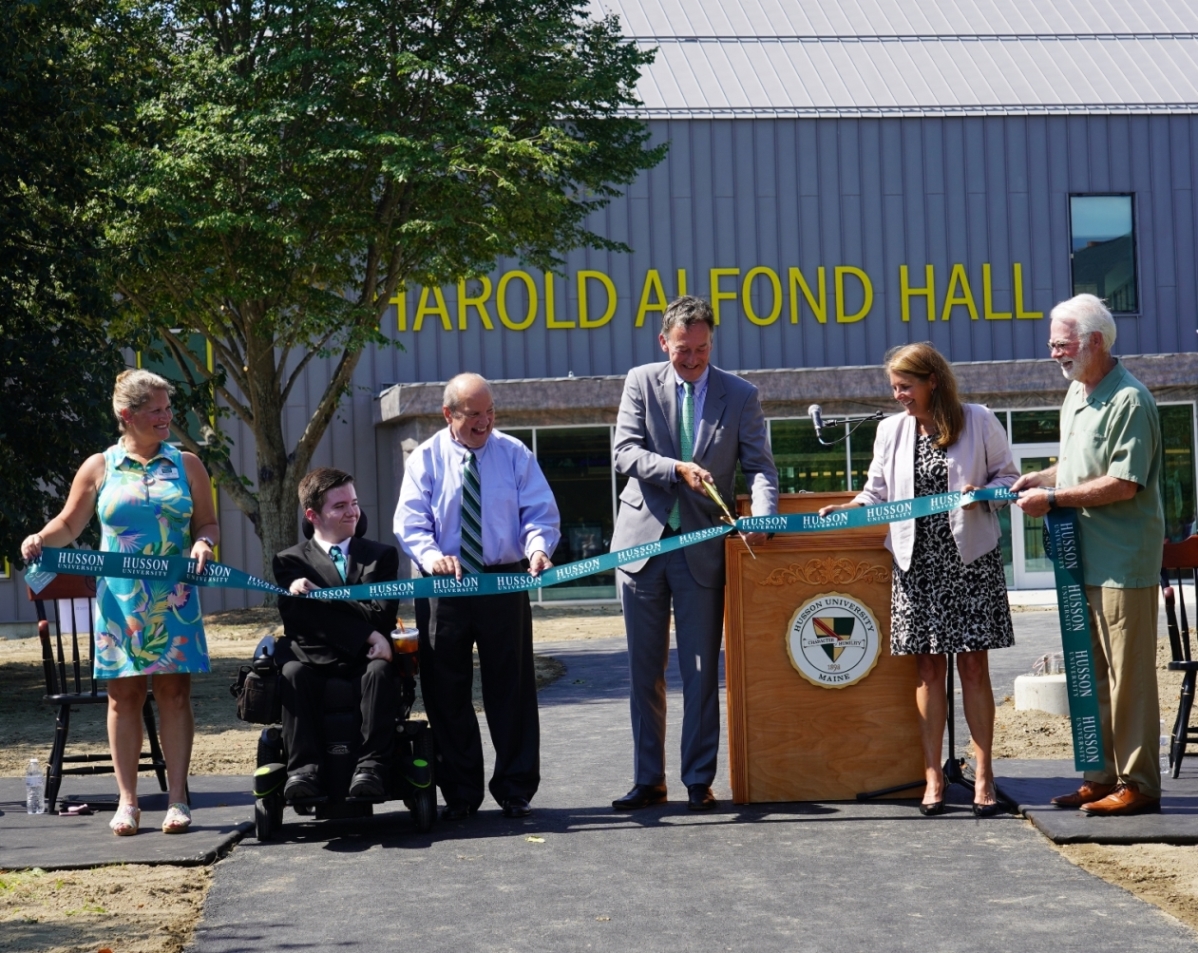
<point x="424" y="808"/>
<point x="265" y="823"/>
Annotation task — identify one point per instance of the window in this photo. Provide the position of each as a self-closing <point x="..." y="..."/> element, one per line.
<point x="577" y="462"/>
<point x="1177" y="474"/>
<point x="1103" y="249"/>
<point x="807" y="466"/>
<point x="1036" y="426"/>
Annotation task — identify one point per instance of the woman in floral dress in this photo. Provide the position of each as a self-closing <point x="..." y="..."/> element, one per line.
<point x="153" y="500"/>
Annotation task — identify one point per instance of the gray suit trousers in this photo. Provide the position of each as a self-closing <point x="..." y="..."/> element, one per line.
<point x="699" y="625"/>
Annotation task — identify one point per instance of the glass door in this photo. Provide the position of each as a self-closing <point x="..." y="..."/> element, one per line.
<point x="1032" y="567"/>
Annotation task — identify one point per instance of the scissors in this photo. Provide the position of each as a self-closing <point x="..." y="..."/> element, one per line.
<point x="728" y="517"/>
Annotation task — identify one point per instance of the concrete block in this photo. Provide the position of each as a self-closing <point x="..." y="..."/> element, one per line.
<point x="1042" y="693"/>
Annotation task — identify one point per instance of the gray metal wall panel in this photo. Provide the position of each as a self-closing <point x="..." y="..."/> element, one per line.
<point x="873" y="194"/>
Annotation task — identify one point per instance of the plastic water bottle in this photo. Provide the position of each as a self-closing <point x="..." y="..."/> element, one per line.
<point x="1165" y="744"/>
<point x="35" y="788"/>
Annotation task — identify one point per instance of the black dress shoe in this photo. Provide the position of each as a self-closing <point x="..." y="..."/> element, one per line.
<point x="986" y="810"/>
<point x="641" y="795"/>
<point x="367" y="784"/>
<point x="302" y="787"/>
<point x="700" y="798"/>
<point x="516" y="807"/>
<point x="457" y="812"/>
<point x="931" y="810"/>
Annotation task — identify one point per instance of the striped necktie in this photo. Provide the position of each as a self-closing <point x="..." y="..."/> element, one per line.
<point x="472" y="517"/>
<point x="686" y="437"/>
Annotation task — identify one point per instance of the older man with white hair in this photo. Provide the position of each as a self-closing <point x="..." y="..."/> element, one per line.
<point x="1109" y="470"/>
<point x="475" y="501"/>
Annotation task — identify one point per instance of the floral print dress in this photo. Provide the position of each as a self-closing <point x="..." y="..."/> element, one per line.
<point x="146" y="627"/>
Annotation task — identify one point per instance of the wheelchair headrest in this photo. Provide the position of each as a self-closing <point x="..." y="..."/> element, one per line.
<point x="308" y="530"/>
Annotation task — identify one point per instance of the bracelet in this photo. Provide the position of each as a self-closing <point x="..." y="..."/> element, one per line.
<point x="206" y="539"/>
<point x="1052" y="497"/>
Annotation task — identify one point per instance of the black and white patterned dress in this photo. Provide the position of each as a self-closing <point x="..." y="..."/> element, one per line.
<point x="940" y="605"/>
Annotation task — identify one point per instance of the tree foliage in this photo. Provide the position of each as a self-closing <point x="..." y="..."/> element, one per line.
<point x="59" y="111"/>
<point x="300" y="162"/>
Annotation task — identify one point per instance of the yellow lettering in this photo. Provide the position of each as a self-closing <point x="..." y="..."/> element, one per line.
<point x="717" y="295"/>
<point x="401" y="310"/>
<point x="584" y="319"/>
<point x="1017" y="268"/>
<point x="681" y="282"/>
<point x="906" y="292"/>
<point x="838" y="275"/>
<point x="479" y="303"/>
<point x="501" y="300"/>
<point x="550" y="305"/>
<point x="437" y="307"/>
<point x="652" y="284"/>
<point x="951" y="299"/>
<point x="796" y="283"/>
<point x="746" y="296"/>
<point x="988" y="298"/>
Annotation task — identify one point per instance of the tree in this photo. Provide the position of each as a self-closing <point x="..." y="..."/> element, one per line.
<point x="300" y="163"/>
<point x="59" y="110"/>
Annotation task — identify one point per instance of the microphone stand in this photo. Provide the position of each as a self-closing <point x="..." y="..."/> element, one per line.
<point x="821" y="425"/>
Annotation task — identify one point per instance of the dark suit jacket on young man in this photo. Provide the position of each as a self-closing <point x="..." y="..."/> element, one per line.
<point x="647" y="447"/>
<point x="328" y="638"/>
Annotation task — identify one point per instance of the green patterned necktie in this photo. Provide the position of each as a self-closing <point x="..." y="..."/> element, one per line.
<point x="471" y="555"/>
<point x="686" y="434"/>
<point x="337" y="555"/>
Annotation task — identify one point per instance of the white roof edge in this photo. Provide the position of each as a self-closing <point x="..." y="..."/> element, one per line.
<point x="854" y="112"/>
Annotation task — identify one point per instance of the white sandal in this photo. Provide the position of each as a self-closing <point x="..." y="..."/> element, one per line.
<point x="177" y="820"/>
<point x="126" y="820"/>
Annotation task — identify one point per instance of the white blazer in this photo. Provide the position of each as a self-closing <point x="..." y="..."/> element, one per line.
<point x="981" y="457"/>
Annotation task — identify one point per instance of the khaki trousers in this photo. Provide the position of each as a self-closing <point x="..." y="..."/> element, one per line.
<point x="1123" y="637"/>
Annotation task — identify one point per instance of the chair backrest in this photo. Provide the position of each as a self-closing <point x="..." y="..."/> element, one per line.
<point x="67" y="669"/>
<point x="1180" y="559"/>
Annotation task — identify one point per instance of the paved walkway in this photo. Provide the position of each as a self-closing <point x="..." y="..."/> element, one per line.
<point x="575" y="876"/>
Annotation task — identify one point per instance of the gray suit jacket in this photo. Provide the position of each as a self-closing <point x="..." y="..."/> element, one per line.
<point x="647" y="447"/>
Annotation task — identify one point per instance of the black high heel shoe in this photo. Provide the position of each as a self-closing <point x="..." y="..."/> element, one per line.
<point x="988" y="810"/>
<point x="936" y="807"/>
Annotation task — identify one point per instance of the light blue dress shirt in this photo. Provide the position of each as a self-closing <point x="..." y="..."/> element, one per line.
<point x="520" y="515"/>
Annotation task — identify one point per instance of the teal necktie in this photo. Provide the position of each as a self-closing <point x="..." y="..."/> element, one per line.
<point x="471" y="555"/>
<point x="338" y="558"/>
<point x="686" y="437"/>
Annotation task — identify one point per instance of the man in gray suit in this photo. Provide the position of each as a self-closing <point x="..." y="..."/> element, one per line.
<point x="682" y="423"/>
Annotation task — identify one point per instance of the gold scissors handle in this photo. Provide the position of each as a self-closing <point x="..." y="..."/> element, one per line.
<point x="728" y="517"/>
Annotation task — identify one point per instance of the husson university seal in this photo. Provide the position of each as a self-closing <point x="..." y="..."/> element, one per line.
<point x="833" y="640"/>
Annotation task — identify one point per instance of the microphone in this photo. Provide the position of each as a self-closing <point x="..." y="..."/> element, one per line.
<point x="816" y="413"/>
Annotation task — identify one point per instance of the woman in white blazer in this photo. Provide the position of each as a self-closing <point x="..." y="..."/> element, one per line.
<point x="948" y="591"/>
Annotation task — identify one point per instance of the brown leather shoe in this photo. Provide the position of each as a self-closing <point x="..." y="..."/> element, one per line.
<point x="1123" y="801"/>
<point x="1089" y="791"/>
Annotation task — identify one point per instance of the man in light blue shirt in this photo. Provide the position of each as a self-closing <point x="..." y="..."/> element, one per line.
<point x="474" y="500"/>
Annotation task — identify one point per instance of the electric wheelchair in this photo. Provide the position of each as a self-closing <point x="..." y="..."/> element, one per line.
<point x="409" y="777"/>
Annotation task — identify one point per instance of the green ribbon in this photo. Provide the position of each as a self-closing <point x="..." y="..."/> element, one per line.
<point x="1075" y="639"/>
<point x="173" y="569"/>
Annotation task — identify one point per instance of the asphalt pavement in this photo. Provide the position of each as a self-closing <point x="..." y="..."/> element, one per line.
<point x="576" y="876"/>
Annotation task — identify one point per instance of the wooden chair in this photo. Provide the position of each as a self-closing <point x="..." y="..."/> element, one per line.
<point x="1180" y="559"/>
<point x="71" y="680"/>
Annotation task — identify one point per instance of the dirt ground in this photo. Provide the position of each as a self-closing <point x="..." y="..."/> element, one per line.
<point x="138" y="909"/>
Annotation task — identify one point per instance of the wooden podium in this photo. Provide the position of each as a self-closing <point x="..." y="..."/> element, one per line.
<point x="791" y="738"/>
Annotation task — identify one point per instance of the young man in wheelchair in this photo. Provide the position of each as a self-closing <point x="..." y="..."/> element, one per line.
<point x="336" y="638"/>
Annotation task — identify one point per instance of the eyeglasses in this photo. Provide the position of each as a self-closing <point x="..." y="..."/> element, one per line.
<point x="475" y="415"/>
<point x="1063" y="345"/>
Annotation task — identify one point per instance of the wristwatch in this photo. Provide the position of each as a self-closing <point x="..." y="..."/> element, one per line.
<point x="1052" y="497"/>
<point x="206" y="539"/>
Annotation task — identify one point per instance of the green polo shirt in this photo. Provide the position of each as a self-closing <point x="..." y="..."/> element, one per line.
<point x="1115" y="432"/>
